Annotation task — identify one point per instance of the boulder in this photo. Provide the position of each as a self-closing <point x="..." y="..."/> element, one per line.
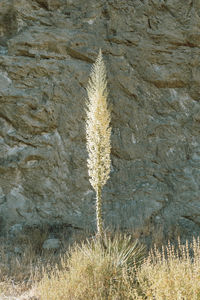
<point x="51" y="244"/>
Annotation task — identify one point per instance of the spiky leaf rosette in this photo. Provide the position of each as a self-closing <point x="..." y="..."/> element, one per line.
<point x="97" y="126"/>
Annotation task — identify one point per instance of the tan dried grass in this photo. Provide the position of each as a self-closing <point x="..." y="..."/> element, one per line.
<point x="173" y="273"/>
<point x="95" y="272"/>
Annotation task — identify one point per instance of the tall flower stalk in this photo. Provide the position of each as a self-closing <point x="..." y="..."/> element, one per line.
<point x="98" y="134"/>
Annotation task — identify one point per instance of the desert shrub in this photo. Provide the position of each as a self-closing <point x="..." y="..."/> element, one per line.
<point x="173" y="273"/>
<point x="93" y="271"/>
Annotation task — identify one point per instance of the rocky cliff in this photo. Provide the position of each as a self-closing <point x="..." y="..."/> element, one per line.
<point x="152" y="53"/>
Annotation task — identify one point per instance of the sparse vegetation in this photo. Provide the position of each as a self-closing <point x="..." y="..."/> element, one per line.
<point x="90" y="271"/>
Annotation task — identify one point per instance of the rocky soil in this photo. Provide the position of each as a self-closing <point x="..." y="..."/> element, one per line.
<point x="152" y="53"/>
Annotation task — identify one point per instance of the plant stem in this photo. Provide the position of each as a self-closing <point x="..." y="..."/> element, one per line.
<point x="99" y="212"/>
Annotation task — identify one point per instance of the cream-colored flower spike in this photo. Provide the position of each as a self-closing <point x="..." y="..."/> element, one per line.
<point x="98" y="134"/>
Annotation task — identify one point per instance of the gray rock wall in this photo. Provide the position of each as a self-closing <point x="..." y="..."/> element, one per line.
<point x="152" y="54"/>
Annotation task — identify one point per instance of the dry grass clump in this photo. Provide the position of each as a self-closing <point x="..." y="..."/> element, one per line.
<point x="171" y="273"/>
<point x="95" y="272"/>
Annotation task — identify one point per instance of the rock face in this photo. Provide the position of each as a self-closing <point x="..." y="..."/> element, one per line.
<point x="51" y="244"/>
<point x="152" y="53"/>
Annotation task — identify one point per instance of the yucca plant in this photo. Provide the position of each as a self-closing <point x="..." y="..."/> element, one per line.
<point x="125" y="251"/>
<point x="90" y="271"/>
<point x="98" y="134"/>
<point x="121" y="249"/>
